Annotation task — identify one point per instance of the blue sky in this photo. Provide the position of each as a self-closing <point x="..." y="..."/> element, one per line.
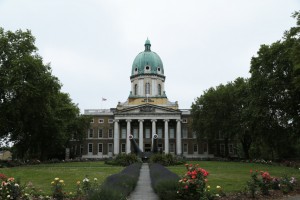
<point x="91" y="44"/>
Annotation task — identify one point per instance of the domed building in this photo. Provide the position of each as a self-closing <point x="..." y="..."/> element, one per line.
<point x="146" y="113"/>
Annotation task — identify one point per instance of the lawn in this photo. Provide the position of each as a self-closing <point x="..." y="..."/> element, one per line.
<point x="232" y="176"/>
<point x="42" y="175"/>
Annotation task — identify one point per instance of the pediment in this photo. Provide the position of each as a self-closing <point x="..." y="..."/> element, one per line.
<point x="148" y="109"/>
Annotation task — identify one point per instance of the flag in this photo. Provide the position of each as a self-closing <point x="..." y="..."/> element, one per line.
<point x="103" y="99"/>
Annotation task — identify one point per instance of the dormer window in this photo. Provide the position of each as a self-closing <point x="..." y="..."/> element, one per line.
<point x="158" y="69"/>
<point x="135" y="70"/>
<point x="147" y="68"/>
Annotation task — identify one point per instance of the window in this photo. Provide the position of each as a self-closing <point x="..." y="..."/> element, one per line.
<point x="110" y="121"/>
<point x="101" y="121"/>
<point x="123" y="147"/>
<point x="230" y="146"/>
<point x="172" y="133"/>
<point x="100" y="133"/>
<point x="135" y="89"/>
<point x="159" y="89"/>
<point x="194" y="135"/>
<point x="205" y="148"/>
<point x="110" y="133"/>
<point x="147" y="88"/>
<point x="110" y="148"/>
<point x="184" y="120"/>
<point x="92" y="120"/>
<point x="184" y="132"/>
<point x="81" y="149"/>
<point x="91" y="133"/>
<point x="222" y="149"/>
<point x="195" y="148"/>
<point x="172" y="147"/>
<point x="159" y="132"/>
<point x="123" y="133"/>
<point x="147" y="132"/>
<point x="135" y="133"/>
<point x="90" y="148"/>
<point x="100" y="147"/>
<point x="185" y="148"/>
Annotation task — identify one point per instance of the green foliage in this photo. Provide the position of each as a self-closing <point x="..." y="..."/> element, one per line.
<point x="123" y="160"/>
<point x="262" y="112"/>
<point x="118" y="186"/>
<point x="35" y="115"/>
<point x="163" y="181"/>
<point x="166" y="159"/>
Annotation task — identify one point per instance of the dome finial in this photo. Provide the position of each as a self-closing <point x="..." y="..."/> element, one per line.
<point x="147" y="45"/>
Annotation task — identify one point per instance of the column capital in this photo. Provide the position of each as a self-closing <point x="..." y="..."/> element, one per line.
<point x="116" y="120"/>
<point x="178" y="120"/>
<point x="166" y="120"/>
<point x="128" y="120"/>
<point x="140" y="120"/>
<point x="153" y="120"/>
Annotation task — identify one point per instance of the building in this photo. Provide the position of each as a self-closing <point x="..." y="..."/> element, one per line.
<point x="146" y="112"/>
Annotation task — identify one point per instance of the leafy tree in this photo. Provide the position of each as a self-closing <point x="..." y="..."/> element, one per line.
<point x="35" y="115"/>
<point x="275" y="94"/>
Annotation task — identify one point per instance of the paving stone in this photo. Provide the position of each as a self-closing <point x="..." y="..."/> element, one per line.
<point x="143" y="190"/>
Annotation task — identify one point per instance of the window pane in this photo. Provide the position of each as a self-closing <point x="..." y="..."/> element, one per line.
<point x="195" y="148"/>
<point x="123" y="133"/>
<point x="90" y="148"/>
<point x="100" y="148"/>
<point x="172" y="133"/>
<point x="159" y="133"/>
<point x="147" y="133"/>
<point x="110" y="133"/>
<point x="135" y="133"/>
<point x="184" y="133"/>
<point x="110" y="148"/>
<point x="185" y="148"/>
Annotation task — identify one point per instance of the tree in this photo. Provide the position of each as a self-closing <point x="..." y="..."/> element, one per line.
<point x="35" y="114"/>
<point x="274" y="85"/>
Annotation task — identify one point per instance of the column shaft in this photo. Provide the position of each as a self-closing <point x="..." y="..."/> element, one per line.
<point x="178" y="138"/>
<point x="116" y="137"/>
<point x="141" y="135"/>
<point x="128" y="149"/>
<point x="166" y="136"/>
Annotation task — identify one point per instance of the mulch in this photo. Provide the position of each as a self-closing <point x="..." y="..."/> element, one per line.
<point x="275" y="194"/>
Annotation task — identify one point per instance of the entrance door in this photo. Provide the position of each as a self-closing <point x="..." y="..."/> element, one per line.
<point x="147" y="147"/>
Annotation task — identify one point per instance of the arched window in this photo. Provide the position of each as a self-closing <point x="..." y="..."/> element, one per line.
<point x="159" y="89"/>
<point x="135" y="89"/>
<point x="147" y="88"/>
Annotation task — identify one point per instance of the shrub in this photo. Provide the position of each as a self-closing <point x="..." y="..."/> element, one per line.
<point x="163" y="181"/>
<point x="9" y="188"/>
<point x="193" y="183"/>
<point x="118" y="186"/>
<point x="57" y="188"/>
<point x="265" y="182"/>
<point x="123" y="160"/>
<point x="167" y="159"/>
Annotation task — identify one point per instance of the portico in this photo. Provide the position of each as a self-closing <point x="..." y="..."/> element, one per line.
<point x="146" y="121"/>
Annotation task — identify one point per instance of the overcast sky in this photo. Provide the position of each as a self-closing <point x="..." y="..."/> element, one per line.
<point x="91" y="44"/>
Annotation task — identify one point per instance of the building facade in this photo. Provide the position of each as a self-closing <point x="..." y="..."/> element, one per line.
<point x="146" y="112"/>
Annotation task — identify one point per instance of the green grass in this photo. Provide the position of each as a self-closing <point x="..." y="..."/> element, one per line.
<point x="232" y="176"/>
<point x="42" y="175"/>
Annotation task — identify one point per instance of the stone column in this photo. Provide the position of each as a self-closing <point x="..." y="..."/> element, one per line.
<point x="141" y="135"/>
<point x="153" y="127"/>
<point x="128" y="149"/>
<point x="166" y="136"/>
<point x="116" y="137"/>
<point x="178" y="137"/>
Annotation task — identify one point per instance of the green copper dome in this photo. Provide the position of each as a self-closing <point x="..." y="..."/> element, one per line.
<point x="147" y="62"/>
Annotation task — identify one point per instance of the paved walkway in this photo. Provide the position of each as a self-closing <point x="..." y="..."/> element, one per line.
<point x="143" y="190"/>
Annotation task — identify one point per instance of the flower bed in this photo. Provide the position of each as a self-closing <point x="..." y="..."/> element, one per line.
<point x="118" y="186"/>
<point x="163" y="181"/>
